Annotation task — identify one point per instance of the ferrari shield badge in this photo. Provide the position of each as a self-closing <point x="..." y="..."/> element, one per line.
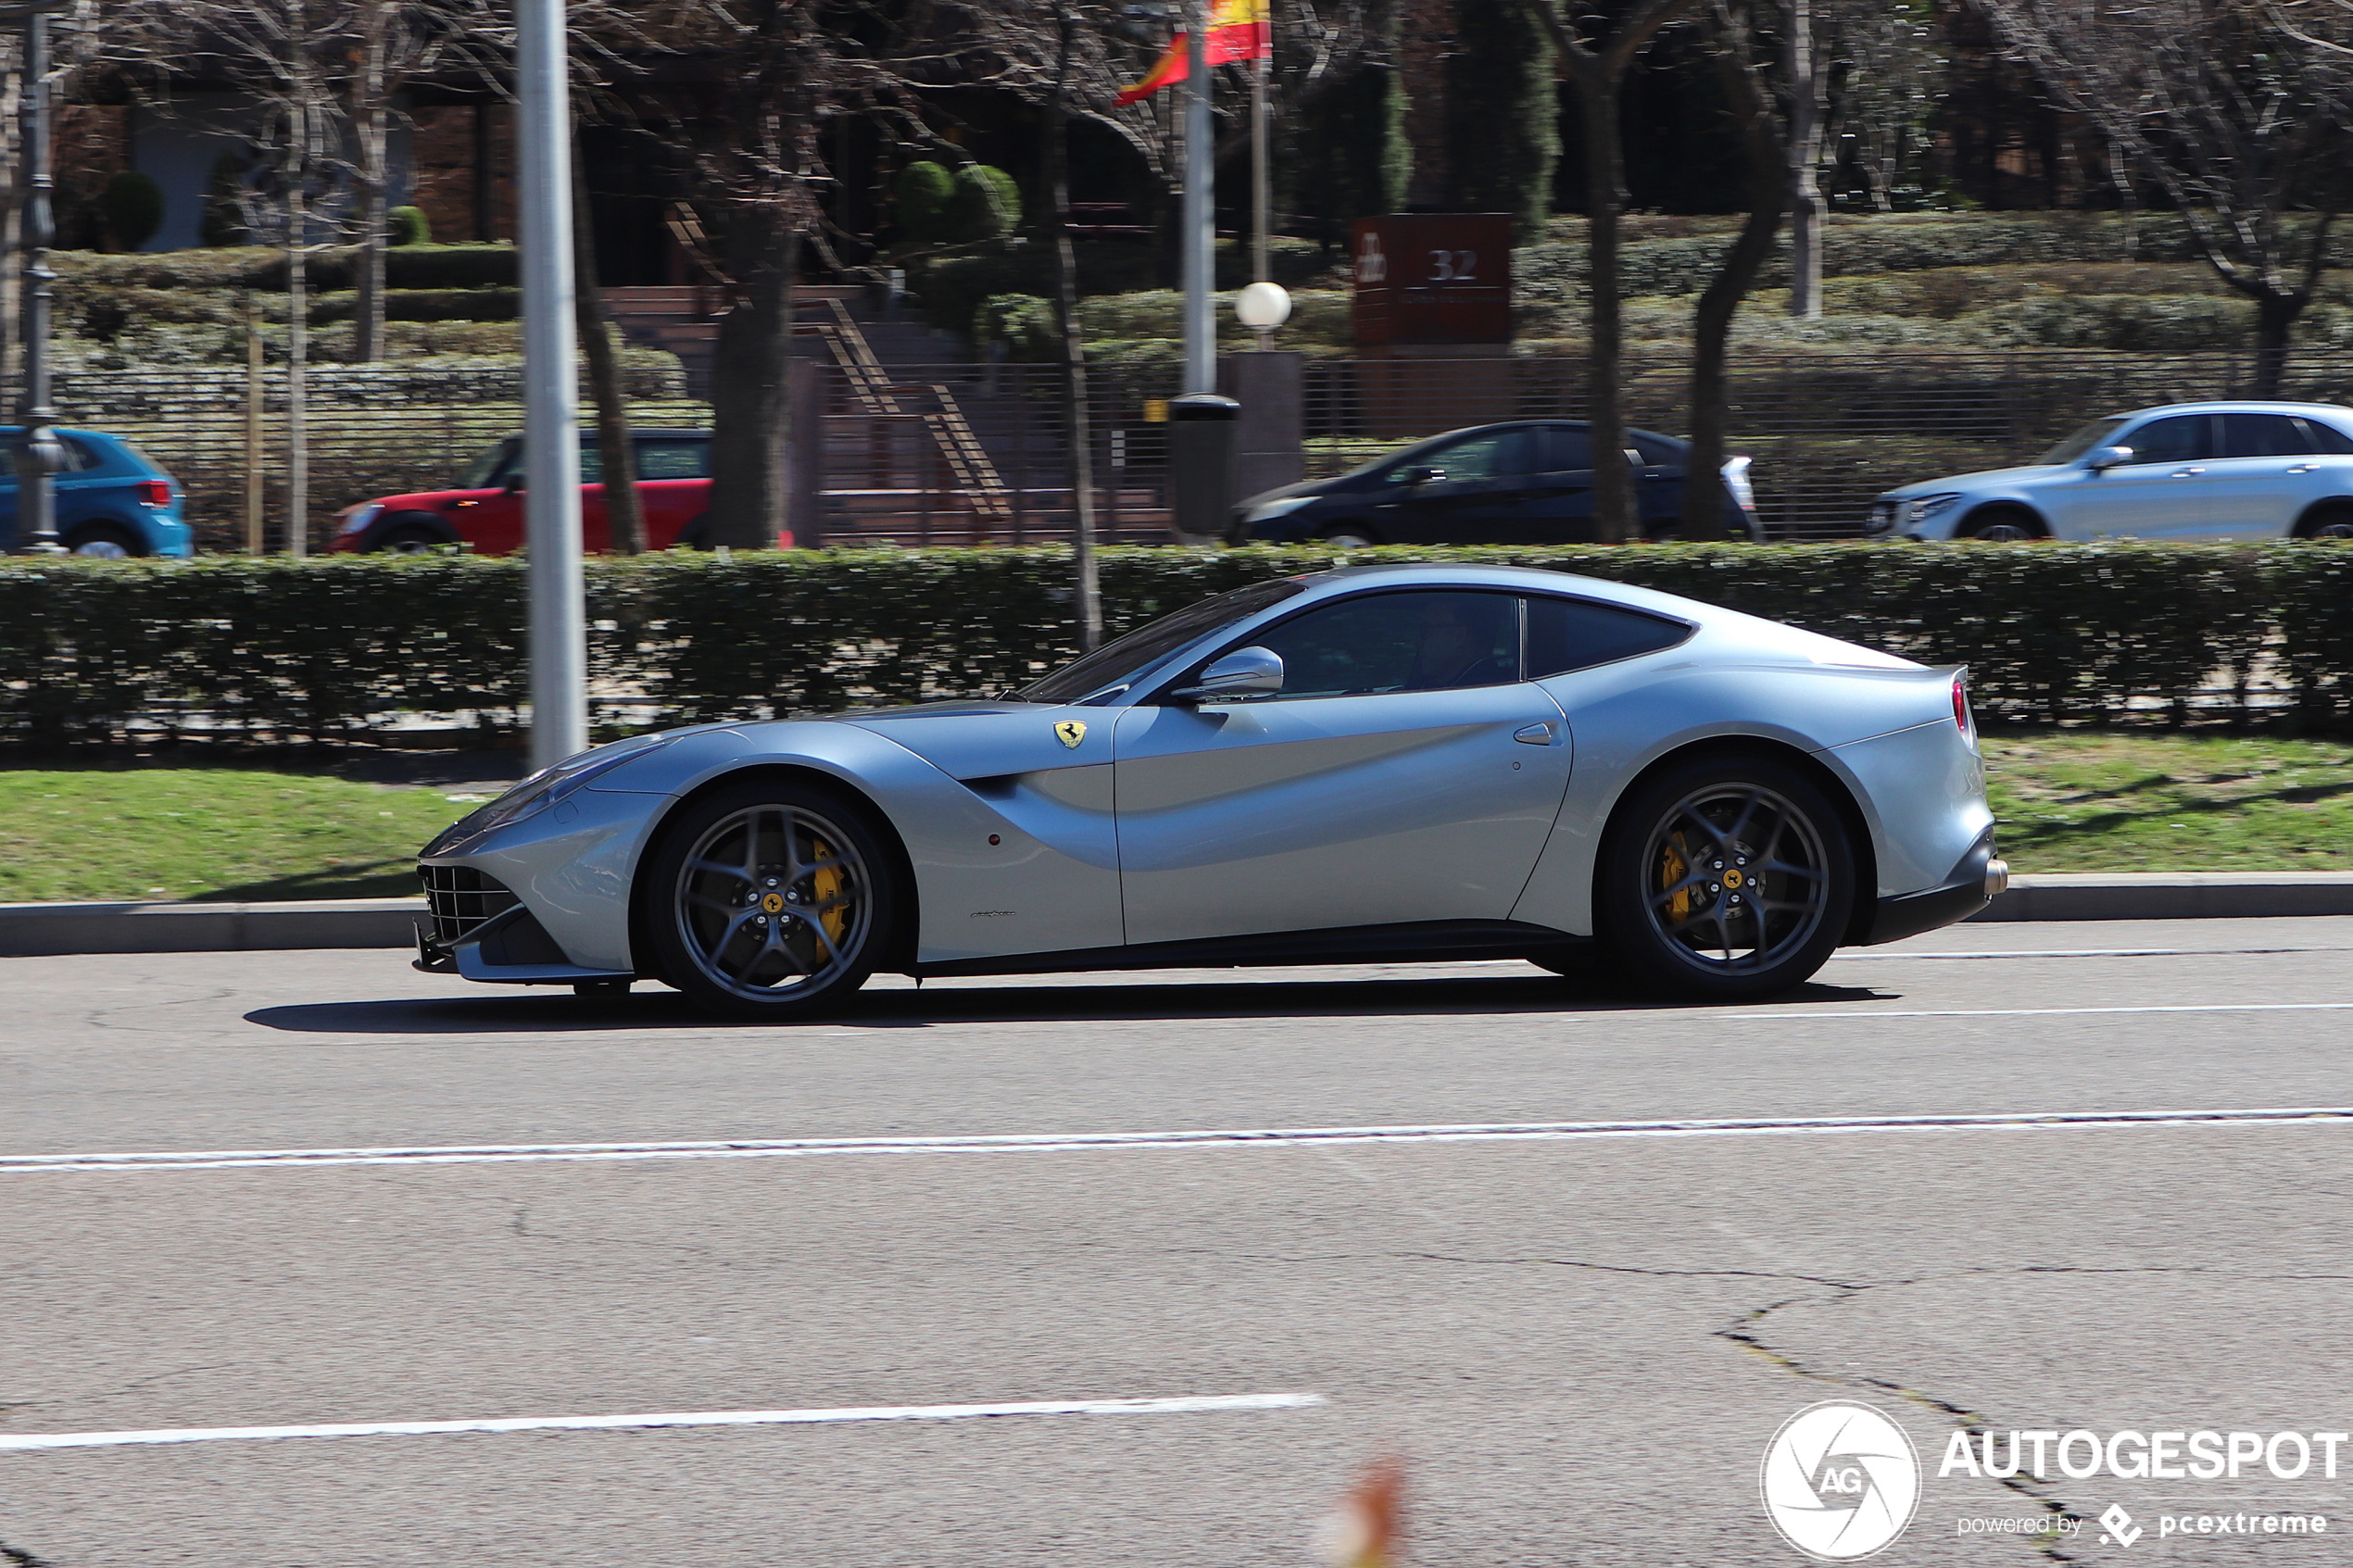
<point x="1071" y="733"/>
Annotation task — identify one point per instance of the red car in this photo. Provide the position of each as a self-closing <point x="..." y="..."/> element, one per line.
<point x="486" y="509"/>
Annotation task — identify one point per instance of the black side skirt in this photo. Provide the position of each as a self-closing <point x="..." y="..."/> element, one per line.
<point x="1422" y="940"/>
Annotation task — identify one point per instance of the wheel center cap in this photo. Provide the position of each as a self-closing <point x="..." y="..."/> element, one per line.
<point x="1733" y="879"/>
<point x="771" y="903"/>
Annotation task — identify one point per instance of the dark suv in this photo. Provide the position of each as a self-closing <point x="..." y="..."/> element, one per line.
<point x="1527" y="482"/>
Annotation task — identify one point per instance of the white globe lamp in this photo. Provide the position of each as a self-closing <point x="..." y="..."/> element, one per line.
<point x="1261" y="307"/>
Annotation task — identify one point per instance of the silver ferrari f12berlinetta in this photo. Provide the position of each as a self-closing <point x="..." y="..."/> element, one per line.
<point x="1378" y="763"/>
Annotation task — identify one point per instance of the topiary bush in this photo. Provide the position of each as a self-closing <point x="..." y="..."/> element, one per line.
<point x="986" y="206"/>
<point x="132" y="206"/>
<point x="408" y="226"/>
<point x="922" y="194"/>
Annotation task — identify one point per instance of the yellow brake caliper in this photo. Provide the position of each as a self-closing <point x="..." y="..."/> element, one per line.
<point x="826" y="885"/>
<point x="1672" y="867"/>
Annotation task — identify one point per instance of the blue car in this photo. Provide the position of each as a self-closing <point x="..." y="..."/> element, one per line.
<point x="112" y="499"/>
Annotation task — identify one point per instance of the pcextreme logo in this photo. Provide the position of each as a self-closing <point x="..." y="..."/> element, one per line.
<point x="1840" y="1481"/>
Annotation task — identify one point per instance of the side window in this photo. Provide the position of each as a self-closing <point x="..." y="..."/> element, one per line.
<point x="1657" y="451"/>
<point x="2185" y="438"/>
<point x="1570" y="448"/>
<point x="673" y="460"/>
<point x="80" y="458"/>
<point x="1404" y="642"/>
<point x="592" y="463"/>
<point x="2325" y="437"/>
<point x="2263" y="435"/>
<point x="1492" y="455"/>
<point x="1564" y="635"/>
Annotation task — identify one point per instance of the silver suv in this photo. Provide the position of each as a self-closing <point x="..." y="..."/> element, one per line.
<point x="2188" y="471"/>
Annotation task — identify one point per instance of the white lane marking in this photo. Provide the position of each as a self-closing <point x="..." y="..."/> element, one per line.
<point x="2088" y="953"/>
<point x="2026" y="1012"/>
<point x="28" y="1440"/>
<point x="1051" y="1143"/>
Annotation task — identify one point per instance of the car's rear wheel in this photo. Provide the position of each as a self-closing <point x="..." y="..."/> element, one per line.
<point x="1350" y="536"/>
<point x="103" y="541"/>
<point x="768" y="900"/>
<point x="1724" y="880"/>
<point x="2328" y="522"/>
<point x="2004" y="525"/>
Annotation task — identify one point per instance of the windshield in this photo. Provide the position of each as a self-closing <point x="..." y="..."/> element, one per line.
<point x="1122" y="661"/>
<point x="484" y="472"/>
<point x="2090" y="435"/>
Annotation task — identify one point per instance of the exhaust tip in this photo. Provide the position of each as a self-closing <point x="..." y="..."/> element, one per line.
<point x="1997" y="878"/>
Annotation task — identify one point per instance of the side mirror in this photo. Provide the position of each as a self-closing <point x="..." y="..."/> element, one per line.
<point x="1236" y="677"/>
<point x="512" y="483"/>
<point x="2107" y="457"/>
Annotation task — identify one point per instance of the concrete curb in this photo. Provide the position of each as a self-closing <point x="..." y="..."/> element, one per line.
<point x="2173" y="896"/>
<point x="48" y="930"/>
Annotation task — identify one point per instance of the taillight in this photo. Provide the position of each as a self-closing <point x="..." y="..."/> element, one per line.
<point x="1960" y="705"/>
<point x="155" y="491"/>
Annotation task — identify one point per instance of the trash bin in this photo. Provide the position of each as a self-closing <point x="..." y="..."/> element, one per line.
<point x="1201" y="428"/>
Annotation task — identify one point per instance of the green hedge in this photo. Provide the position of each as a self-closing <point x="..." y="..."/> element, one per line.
<point x="288" y="648"/>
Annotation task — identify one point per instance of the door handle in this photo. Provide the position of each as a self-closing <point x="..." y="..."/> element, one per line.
<point x="2185" y="473"/>
<point x="1534" y="734"/>
<point x="2303" y="468"/>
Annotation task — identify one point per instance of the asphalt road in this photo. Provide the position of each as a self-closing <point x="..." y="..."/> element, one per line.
<point x="1579" y="1337"/>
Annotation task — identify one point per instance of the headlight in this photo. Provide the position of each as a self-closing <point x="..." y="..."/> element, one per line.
<point x="549" y="785"/>
<point x="356" y="519"/>
<point x="1274" y="510"/>
<point x="1736" y="483"/>
<point x="1925" y="507"/>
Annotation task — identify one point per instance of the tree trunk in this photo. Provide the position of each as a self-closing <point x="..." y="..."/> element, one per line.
<point x="616" y="452"/>
<point x="2275" y="315"/>
<point x="1707" y="504"/>
<point x="297" y="353"/>
<point x="749" y="401"/>
<point x="368" y="306"/>
<point x="1806" y="208"/>
<point x="1597" y="96"/>
<point x="1073" y="347"/>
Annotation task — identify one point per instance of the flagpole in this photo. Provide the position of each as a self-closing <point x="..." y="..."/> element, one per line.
<point x="1260" y="200"/>
<point x="1199" y="214"/>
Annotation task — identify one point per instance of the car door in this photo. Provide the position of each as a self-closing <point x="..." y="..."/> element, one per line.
<point x="1658" y="482"/>
<point x="1403" y="774"/>
<point x="2270" y="470"/>
<point x="673" y="484"/>
<point x="1476" y="489"/>
<point x="2159" y="495"/>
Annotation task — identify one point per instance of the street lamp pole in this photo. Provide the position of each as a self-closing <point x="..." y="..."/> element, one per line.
<point x="1197" y="259"/>
<point x="551" y="392"/>
<point x="36" y="451"/>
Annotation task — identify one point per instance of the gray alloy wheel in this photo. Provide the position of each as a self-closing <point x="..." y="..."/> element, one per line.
<point x="2330" y="522"/>
<point x="409" y="540"/>
<point x="1350" y="536"/>
<point x="769" y="902"/>
<point x="1726" y="881"/>
<point x="2006" y="526"/>
<point x="102" y="544"/>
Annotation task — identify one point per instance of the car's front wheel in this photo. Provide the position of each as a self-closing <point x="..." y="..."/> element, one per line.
<point x="768" y="900"/>
<point x="1725" y="880"/>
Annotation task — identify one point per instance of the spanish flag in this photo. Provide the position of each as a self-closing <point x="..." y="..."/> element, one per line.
<point x="1239" y="29"/>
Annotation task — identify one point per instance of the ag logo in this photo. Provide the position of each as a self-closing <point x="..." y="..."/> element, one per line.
<point x="1072" y="732"/>
<point x="1840" y="1481"/>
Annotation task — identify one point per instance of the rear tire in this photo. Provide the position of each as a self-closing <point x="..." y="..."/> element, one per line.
<point x="2004" y="525"/>
<point x="1350" y="536"/>
<point x="1727" y="879"/>
<point x="103" y="541"/>
<point x="2328" y="522"/>
<point x="770" y="900"/>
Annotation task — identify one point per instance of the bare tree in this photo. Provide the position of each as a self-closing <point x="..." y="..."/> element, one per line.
<point x="1597" y="67"/>
<point x="2240" y="123"/>
<point x="1056" y="133"/>
<point x="1739" y="59"/>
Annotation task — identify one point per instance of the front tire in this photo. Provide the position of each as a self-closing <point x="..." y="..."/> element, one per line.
<point x="770" y="900"/>
<point x="1724" y="880"/>
<point x="2328" y="522"/>
<point x="2004" y="525"/>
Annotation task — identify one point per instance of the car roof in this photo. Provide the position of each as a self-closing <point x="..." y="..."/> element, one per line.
<point x="1523" y="579"/>
<point x="2238" y="406"/>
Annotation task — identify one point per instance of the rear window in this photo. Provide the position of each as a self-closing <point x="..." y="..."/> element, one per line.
<point x="2327" y="438"/>
<point x="673" y="460"/>
<point x="1658" y="451"/>
<point x="1564" y="635"/>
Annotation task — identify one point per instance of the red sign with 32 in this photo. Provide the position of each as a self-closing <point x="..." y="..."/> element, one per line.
<point x="1440" y="277"/>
